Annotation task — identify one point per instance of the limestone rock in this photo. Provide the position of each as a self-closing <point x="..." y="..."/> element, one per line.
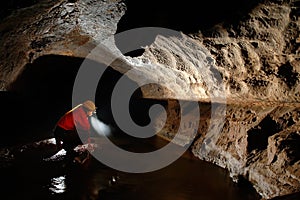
<point x="250" y="60"/>
<point x="257" y="142"/>
<point x="255" y="57"/>
<point x="253" y="64"/>
<point x="55" y="27"/>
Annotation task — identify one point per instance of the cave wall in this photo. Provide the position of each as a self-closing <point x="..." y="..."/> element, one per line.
<point x="258" y="142"/>
<point x="248" y="59"/>
<point x="251" y="59"/>
<point x="257" y="58"/>
<point x="60" y="27"/>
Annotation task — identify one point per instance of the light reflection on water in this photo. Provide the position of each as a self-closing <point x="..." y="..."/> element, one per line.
<point x="58" y="185"/>
<point x="186" y="178"/>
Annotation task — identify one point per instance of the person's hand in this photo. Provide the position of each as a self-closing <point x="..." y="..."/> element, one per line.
<point x="90" y="147"/>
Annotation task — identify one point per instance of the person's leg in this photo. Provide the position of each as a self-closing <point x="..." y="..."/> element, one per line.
<point x="70" y="141"/>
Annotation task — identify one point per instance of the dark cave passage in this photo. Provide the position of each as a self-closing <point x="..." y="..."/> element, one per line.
<point x="7" y="7"/>
<point x="188" y="16"/>
<point x="39" y="95"/>
<point x="48" y="81"/>
<point x="43" y="92"/>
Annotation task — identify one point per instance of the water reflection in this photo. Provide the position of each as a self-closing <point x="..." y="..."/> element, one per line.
<point x="58" y="185"/>
<point x="187" y="178"/>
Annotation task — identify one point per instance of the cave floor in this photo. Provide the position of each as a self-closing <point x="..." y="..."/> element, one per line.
<point x="31" y="176"/>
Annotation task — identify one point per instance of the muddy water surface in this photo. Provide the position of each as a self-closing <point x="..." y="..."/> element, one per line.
<point x="29" y="176"/>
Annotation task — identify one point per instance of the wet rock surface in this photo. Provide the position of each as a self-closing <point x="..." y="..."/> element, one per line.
<point x="258" y="143"/>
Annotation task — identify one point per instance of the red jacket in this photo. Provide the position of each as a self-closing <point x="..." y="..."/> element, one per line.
<point x="77" y="117"/>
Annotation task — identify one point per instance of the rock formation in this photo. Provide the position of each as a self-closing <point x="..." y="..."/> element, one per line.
<point x="246" y="72"/>
<point x="54" y="27"/>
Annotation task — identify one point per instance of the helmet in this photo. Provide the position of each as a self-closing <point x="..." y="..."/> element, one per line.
<point x="89" y="105"/>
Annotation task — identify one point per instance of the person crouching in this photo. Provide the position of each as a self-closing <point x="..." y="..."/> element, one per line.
<point x="65" y="131"/>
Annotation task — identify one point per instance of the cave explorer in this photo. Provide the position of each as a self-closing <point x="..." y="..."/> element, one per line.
<point x="65" y="131"/>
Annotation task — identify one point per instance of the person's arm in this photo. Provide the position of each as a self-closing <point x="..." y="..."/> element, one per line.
<point x="81" y="120"/>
